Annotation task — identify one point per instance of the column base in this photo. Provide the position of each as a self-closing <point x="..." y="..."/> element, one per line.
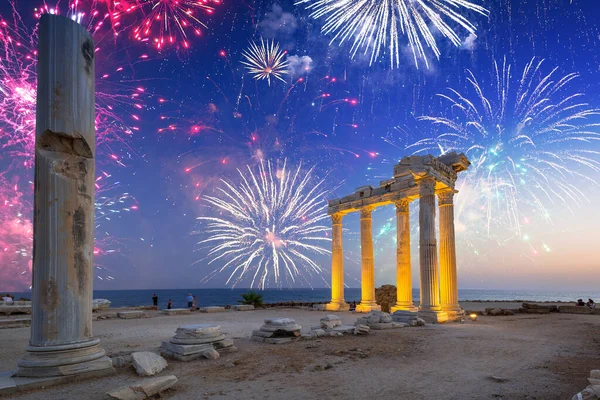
<point x="65" y="360"/>
<point x="365" y="307"/>
<point x="404" y="307"/>
<point x="337" y="306"/>
<point x="433" y="316"/>
<point x="455" y="313"/>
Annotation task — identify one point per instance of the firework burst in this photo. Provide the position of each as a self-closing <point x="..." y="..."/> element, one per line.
<point x="528" y="140"/>
<point x="265" y="61"/>
<point x="169" y="22"/>
<point x="267" y="225"/>
<point x="378" y="26"/>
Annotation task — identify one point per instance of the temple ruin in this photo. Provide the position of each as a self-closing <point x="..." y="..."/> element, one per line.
<point x="415" y="177"/>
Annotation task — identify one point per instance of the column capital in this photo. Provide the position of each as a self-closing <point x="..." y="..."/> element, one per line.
<point x="402" y="204"/>
<point x="445" y="197"/>
<point x="366" y="211"/>
<point x="336" y="219"/>
<point x="426" y="186"/>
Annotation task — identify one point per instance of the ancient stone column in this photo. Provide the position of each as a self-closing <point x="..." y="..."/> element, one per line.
<point x="61" y="340"/>
<point x="337" y="266"/>
<point x="403" y="265"/>
<point x="367" y="302"/>
<point x="448" y="276"/>
<point x="429" y="309"/>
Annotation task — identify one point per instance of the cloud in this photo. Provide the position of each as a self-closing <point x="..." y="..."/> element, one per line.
<point x="470" y="43"/>
<point x="299" y="65"/>
<point x="277" y="22"/>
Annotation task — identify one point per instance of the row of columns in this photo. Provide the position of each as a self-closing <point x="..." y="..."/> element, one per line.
<point x="439" y="286"/>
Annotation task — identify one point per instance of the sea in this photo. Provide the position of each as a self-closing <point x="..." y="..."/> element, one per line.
<point x="223" y="297"/>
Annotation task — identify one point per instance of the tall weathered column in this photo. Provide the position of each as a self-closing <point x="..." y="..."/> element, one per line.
<point x="403" y="265"/>
<point x="367" y="302"/>
<point x="337" y="266"/>
<point x="61" y="340"/>
<point x="429" y="309"/>
<point x="448" y="275"/>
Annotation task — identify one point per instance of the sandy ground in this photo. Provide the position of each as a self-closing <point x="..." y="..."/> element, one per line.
<point x="538" y="356"/>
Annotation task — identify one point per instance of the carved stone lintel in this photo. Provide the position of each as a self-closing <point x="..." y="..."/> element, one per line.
<point x="336" y="219"/>
<point x="445" y="198"/>
<point x="402" y="205"/>
<point x="366" y="212"/>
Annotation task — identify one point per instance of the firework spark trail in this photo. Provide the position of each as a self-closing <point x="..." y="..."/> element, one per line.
<point x="377" y="26"/>
<point x="265" y="61"/>
<point x="269" y="221"/>
<point x="168" y="22"/>
<point x="17" y="141"/>
<point x="525" y="138"/>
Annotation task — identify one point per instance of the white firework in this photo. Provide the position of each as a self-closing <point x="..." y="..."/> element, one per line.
<point x="377" y="26"/>
<point x="532" y="142"/>
<point x="270" y="224"/>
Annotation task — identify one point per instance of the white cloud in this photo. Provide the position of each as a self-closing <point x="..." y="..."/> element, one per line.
<point x="278" y="21"/>
<point x="300" y="65"/>
<point x="470" y="42"/>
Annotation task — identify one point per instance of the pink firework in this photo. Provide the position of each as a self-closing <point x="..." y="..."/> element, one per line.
<point x="171" y="22"/>
<point x="119" y="102"/>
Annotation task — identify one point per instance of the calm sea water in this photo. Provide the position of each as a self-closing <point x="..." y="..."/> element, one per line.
<point x="221" y="297"/>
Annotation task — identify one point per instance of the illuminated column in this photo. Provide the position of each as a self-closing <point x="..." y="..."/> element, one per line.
<point x="367" y="302"/>
<point x="337" y="266"/>
<point x="448" y="276"/>
<point x="403" y="267"/>
<point x="61" y="341"/>
<point x="429" y="309"/>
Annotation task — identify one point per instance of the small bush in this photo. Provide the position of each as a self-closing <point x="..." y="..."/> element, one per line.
<point x="252" y="298"/>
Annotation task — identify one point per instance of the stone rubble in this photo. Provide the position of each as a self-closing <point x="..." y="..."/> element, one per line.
<point x="195" y="341"/>
<point x="177" y="311"/>
<point x="330" y="325"/>
<point x="143" y="389"/>
<point x="378" y="320"/>
<point x="212" y="309"/>
<point x="147" y="363"/>
<point x="243" y="307"/>
<point x="592" y="391"/>
<point x="131" y="314"/>
<point x="277" y="331"/>
<point x="100" y="304"/>
<point x="403" y="318"/>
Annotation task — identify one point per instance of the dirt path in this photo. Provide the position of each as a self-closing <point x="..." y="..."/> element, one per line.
<point x="538" y="357"/>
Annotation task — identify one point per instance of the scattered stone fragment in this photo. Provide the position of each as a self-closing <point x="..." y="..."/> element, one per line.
<point x="147" y="363"/>
<point x="211" y="354"/>
<point x="243" y="307"/>
<point x="213" y="309"/>
<point x="143" y="389"/>
<point x="376" y="320"/>
<point x="498" y="378"/>
<point x="194" y="341"/>
<point x="404" y="316"/>
<point x="330" y="321"/>
<point x="277" y="331"/>
<point x="420" y="322"/>
<point x="131" y="314"/>
<point x="100" y="304"/>
<point x="177" y="311"/>
<point x="595" y="374"/>
<point x="361" y="329"/>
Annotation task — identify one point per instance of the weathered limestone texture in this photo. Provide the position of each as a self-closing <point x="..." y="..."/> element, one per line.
<point x="448" y="274"/>
<point x="61" y="340"/>
<point x="330" y="325"/>
<point x="415" y="177"/>
<point x="367" y="302"/>
<point x="147" y="363"/>
<point x="100" y="304"/>
<point x="212" y="309"/>
<point x="177" y="311"/>
<point x="195" y="341"/>
<point x="378" y="320"/>
<point x="277" y="331"/>
<point x="131" y="314"/>
<point x="243" y="307"/>
<point x="143" y="389"/>
<point x="337" y="266"/>
<point x="404" y="300"/>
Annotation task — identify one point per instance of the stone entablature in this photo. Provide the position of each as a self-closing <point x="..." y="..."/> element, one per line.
<point x="407" y="174"/>
<point x="415" y="177"/>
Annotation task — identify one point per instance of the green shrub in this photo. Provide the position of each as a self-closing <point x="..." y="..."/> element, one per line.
<point x="252" y="298"/>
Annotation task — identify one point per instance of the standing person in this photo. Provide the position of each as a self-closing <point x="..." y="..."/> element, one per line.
<point x="155" y="301"/>
<point x="190" y="300"/>
<point x="169" y="304"/>
<point x="194" y="304"/>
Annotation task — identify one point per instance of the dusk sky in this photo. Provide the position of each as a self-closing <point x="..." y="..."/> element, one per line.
<point x="518" y="97"/>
